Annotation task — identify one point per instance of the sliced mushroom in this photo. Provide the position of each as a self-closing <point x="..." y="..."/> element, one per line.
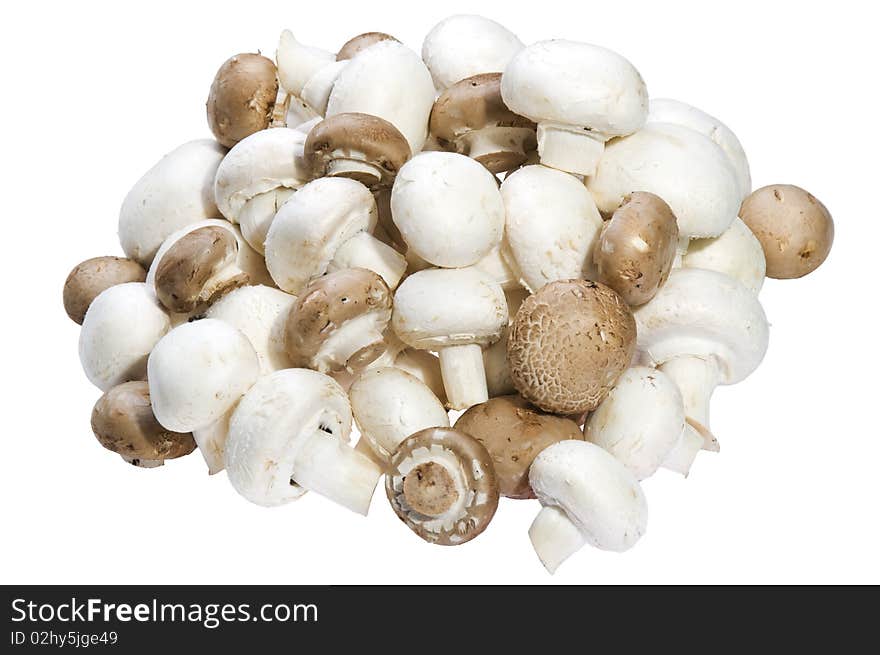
<point x="89" y="278"/>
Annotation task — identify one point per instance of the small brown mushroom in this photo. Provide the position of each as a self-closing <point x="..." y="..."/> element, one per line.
<point x="198" y="269"/>
<point x="514" y="432"/>
<point x="362" y="147"/>
<point x="361" y="42"/>
<point x="637" y="247"/>
<point x="337" y="323"/>
<point x="569" y="343"/>
<point x="471" y="118"/>
<point x="123" y="422"/>
<point x="795" y="229"/>
<point x="442" y="484"/>
<point x="91" y="277"/>
<point x="242" y="97"/>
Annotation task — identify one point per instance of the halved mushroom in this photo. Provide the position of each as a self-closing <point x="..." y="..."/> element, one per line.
<point x="361" y="42"/>
<point x="242" y="97"/>
<point x="91" y="277"/>
<point x="442" y="485"/>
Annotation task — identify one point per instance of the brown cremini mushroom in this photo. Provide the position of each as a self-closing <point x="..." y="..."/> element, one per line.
<point x="514" y="432"/>
<point x="637" y="247"/>
<point x="242" y="97"/>
<point x="91" y="277"/>
<point x="337" y="323"/>
<point x="358" y="146"/>
<point x="361" y="42"/>
<point x="795" y="229"/>
<point x="471" y="118"/>
<point x="123" y="422"/>
<point x="442" y="484"/>
<point x="198" y="269"/>
<point x="568" y="345"/>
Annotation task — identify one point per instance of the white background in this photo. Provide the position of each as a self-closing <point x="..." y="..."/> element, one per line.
<point x="93" y="95"/>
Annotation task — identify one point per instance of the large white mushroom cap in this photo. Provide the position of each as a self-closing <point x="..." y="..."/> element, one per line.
<point x="737" y="253"/>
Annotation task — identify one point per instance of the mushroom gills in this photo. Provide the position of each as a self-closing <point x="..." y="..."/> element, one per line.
<point x="696" y="378"/>
<point x="357" y="342"/>
<point x="555" y="537"/>
<point x="143" y="463"/>
<point x="570" y="148"/>
<point x="353" y="165"/>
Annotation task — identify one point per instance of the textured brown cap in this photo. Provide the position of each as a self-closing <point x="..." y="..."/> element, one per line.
<point x="242" y="97"/>
<point x="89" y="278"/>
<point x="361" y="42"/>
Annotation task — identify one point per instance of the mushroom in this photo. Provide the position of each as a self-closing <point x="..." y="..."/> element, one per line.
<point x="471" y="118"/>
<point x="389" y="404"/>
<point x="448" y="209"/>
<point x="442" y="485"/>
<point x="569" y="343"/>
<point x="795" y="229"/>
<point x="290" y="433"/>
<point x="666" y="110"/>
<point x="338" y="321"/>
<point x="637" y="247"/>
<point x="120" y="328"/>
<point x="316" y="92"/>
<point x="455" y="312"/>
<point x="702" y="329"/>
<point x="498" y="380"/>
<point x="406" y="96"/>
<point x="642" y="423"/>
<point x="422" y="365"/>
<point x="580" y="95"/>
<point x="496" y="266"/>
<point x="552" y="226"/>
<point x="360" y="43"/>
<point x="91" y="277"/>
<point x="736" y="252"/>
<point x="587" y="497"/>
<point x="514" y="433"/>
<point x="242" y="97"/>
<point x="365" y="148"/>
<point x="313" y="228"/>
<point x="123" y="421"/>
<point x="297" y="64"/>
<point x="464" y="45"/>
<point x="176" y="192"/>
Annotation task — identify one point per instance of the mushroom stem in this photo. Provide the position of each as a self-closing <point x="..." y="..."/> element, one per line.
<point x="682" y="456"/>
<point x="464" y="376"/>
<point x="498" y="144"/>
<point x="337" y="471"/>
<point x="364" y="250"/>
<point x="554" y="537"/>
<point x="143" y="463"/>
<point x="569" y="148"/>
<point x="684" y="242"/>
<point x="211" y="441"/>
<point x="355" y="344"/>
<point x="696" y="378"/>
<point x="355" y="169"/>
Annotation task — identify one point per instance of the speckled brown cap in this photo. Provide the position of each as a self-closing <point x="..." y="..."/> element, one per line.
<point x="242" y="97"/>
<point x="514" y="432"/>
<point x="361" y="42"/>
<point x="89" y="278"/>
<point x="442" y="485"/>
<point x="569" y="343"/>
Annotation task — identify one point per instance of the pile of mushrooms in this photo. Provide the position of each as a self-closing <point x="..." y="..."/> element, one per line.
<point x="489" y="270"/>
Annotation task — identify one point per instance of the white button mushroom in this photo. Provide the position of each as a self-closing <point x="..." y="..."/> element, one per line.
<point x="448" y="209"/>
<point x="552" y="226"/>
<point x="587" y="497"/>
<point x="736" y="252"/>
<point x="580" y="95"/>
<point x="120" y="328"/>
<point x="290" y="432"/>
<point x="297" y="63"/>
<point x="176" y="192"/>
<point x="498" y="379"/>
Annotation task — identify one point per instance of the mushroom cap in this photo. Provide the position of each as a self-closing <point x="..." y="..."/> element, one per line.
<point x="297" y="62"/>
<point x="198" y="371"/>
<point x="576" y="84"/>
<point x="568" y="345"/>
<point x="241" y="98"/>
<point x="328" y="310"/>
<point x="552" y="225"/>
<point x="356" y="136"/>
<point x="795" y="229"/>
<point x="597" y="493"/>
<point x="448" y="208"/>
<point x="91" y="277"/>
<point x="690" y="172"/>
<point x="361" y="42"/>
<point x="270" y="425"/>
<point x="641" y="420"/>
<point x="514" y="432"/>
<point x="736" y="252"/>
<point x="123" y="422"/>
<point x="667" y="110"/>
<point x="442" y="485"/>
<point x="266" y="160"/>
<point x="464" y="45"/>
<point x="310" y="227"/>
<point x="702" y="313"/>
<point x="389" y="404"/>
<point x="120" y="328"/>
<point x="496" y="265"/>
<point x="260" y="312"/>
<point x="637" y="247"/>
<point x="437" y="308"/>
<point x="174" y="193"/>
